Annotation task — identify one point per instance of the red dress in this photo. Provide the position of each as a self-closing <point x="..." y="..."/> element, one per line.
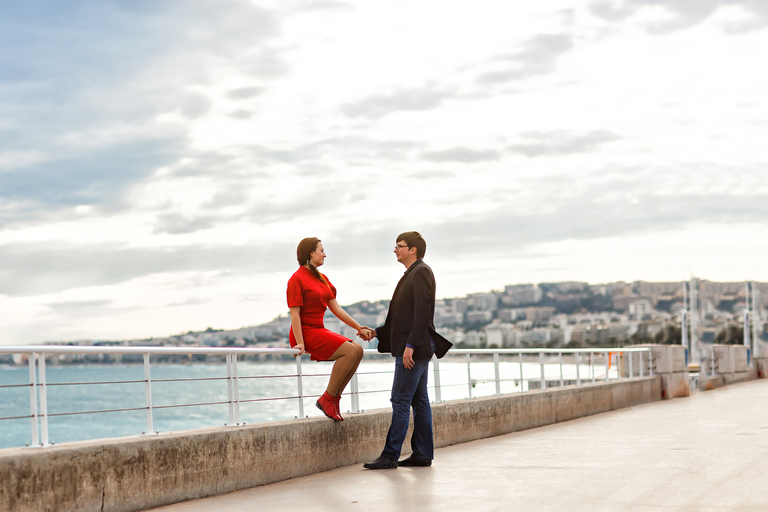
<point x="305" y="290"/>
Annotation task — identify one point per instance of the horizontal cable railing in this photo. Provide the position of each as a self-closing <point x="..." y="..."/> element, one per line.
<point x="481" y="372"/>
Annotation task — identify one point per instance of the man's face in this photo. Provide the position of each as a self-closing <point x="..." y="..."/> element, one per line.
<point x="403" y="253"/>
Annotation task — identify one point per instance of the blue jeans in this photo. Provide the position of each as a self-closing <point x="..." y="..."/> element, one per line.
<point x="409" y="389"/>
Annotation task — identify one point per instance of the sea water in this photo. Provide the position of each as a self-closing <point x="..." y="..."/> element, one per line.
<point x="195" y="395"/>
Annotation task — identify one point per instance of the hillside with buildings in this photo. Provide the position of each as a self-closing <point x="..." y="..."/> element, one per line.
<point x="568" y="314"/>
<point x="574" y="314"/>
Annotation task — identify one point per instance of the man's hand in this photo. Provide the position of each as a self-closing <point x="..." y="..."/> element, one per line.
<point x="366" y="333"/>
<point x="408" y="358"/>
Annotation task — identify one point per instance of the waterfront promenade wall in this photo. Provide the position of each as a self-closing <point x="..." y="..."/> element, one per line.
<point x="140" y="472"/>
<point x="729" y="364"/>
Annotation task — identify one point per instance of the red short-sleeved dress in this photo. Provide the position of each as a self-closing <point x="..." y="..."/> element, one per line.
<point x="305" y="290"/>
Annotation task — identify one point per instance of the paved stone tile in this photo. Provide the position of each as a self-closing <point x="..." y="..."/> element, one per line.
<point x="704" y="453"/>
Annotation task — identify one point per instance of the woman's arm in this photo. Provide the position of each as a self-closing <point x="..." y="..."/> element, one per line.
<point x="296" y="325"/>
<point x="362" y="331"/>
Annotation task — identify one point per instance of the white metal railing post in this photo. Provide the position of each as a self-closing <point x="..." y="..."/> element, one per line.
<point x="578" y="369"/>
<point x="436" y="366"/>
<point x="469" y="378"/>
<point x="592" y="366"/>
<point x="148" y="394"/>
<point x="650" y="362"/>
<point x="230" y="392"/>
<point x="746" y="326"/>
<point x="631" y="368"/>
<point x="607" y="366"/>
<point x="755" y="317"/>
<point x="619" y="365"/>
<point x="236" y="389"/>
<point x="301" y="387"/>
<point x="543" y="378"/>
<point x="640" y="356"/>
<point x="32" y="360"/>
<point x="355" y="396"/>
<point x="43" y="401"/>
<point x="713" y="362"/>
<point x="496" y="368"/>
<point x="562" y="383"/>
<point x="747" y="342"/>
<point x="520" y="360"/>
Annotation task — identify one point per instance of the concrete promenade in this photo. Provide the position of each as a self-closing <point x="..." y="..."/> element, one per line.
<point x="708" y="452"/>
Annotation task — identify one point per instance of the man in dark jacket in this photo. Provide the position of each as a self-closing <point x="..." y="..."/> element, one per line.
<point x="409" y="335"/>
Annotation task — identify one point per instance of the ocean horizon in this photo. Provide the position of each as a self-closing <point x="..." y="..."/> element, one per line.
<point x="268" y="392"/>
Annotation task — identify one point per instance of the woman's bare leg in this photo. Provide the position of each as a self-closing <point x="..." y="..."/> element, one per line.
<point x="347" y="357"/>
<point x="348" y="377"/>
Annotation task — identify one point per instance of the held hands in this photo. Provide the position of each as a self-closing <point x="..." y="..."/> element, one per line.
<point x="366" y="333"/>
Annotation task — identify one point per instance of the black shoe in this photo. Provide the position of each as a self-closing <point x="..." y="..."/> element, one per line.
<point x="413" y="461"/>
<point x="381" y="463"/>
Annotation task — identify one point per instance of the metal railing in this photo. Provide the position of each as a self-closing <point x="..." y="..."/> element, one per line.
<point x="582" y="359"/>
<point x="622" y="355"/>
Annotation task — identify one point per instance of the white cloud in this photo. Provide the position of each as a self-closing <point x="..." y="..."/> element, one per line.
<point x="159" y="181"/>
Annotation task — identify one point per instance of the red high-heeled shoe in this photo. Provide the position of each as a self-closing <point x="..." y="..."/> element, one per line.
<point x="336" y="400"/>
<point x="327" y="404"/>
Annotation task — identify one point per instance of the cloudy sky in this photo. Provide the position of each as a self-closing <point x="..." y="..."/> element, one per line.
<point x="159" y="161"/>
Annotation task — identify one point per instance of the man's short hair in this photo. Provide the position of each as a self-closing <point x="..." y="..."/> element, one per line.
<point x="414" y="239"/>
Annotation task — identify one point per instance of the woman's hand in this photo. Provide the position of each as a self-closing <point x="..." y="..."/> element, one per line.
<point x="296" y="329"/>
<point x="366" y="333"/>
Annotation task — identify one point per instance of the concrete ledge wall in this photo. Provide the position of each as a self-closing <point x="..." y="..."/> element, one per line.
<point x="140" y="472"/>
<point x="730" y="367"/>
<point x="466" y="420"/>
<point x="669" y="361"/>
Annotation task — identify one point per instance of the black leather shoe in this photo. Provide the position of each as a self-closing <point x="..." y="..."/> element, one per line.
<point x="413" y="461"/>
<point x="381" y="463"/>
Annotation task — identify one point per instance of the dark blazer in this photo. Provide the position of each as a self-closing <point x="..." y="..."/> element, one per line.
<point x="410" y="319"/>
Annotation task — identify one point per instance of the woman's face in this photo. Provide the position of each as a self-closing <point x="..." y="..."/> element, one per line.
<point x="317" y="258"/>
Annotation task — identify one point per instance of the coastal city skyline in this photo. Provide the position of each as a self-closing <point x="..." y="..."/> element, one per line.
<point x="160" y="161"/>
<point x="531" y="315"/>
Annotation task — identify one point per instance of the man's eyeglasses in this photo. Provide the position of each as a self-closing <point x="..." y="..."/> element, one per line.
<point x="398" y="247"/>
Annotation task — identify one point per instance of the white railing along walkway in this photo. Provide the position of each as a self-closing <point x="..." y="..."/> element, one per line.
<point x="39" y="415"/>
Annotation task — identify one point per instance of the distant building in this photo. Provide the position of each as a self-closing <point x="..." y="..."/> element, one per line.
<point x="460" y="305"/>
<point x="521" y="295"/>
<point x="622" y="302"/>
<point x="479" y="316"/>
<point x="650" y="328"/>
<point x="537" y="337"/>
<point x="449" y="312"/>
<point x="538" y="314"/>
<point x="570" y="287"/>
<point x="484" y="301"/>
<point x="474" y="339"/>
<point x="494" y="337"/>
<point x="598" y="334"/>
<point x="640" y="309"/>
<point x="500" y="334"/>
<point x="511" y="315"/>
<point x="147" y="343"/>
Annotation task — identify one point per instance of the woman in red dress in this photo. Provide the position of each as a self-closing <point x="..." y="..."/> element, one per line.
<point x="309" y="294"/>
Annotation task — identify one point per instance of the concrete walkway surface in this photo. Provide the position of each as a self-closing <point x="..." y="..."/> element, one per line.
<point x="708" y="452"/>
